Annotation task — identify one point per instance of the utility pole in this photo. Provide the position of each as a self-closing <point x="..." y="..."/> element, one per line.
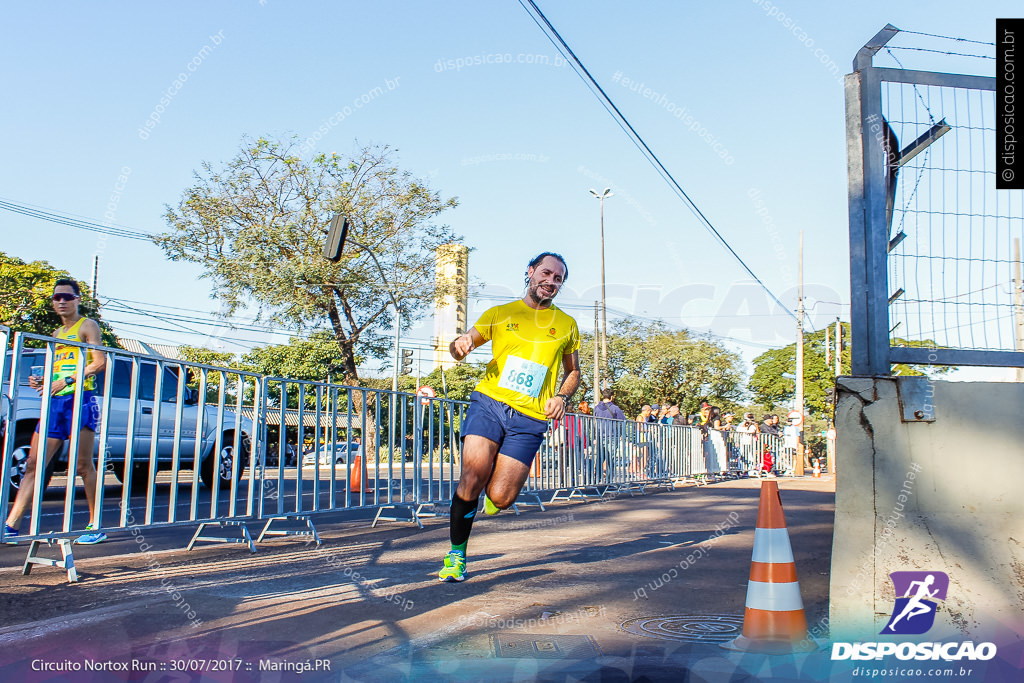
<point x="95" y="277"/>
<point x="1018" y="305"/>
<point x="828" y="348"/>
<point x="799" y="467"/>
<point x="597" y="371"/>
<point x="839" y="347"/>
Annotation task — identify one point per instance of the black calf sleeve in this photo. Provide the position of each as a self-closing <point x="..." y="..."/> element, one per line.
<point x="461" y="519"/>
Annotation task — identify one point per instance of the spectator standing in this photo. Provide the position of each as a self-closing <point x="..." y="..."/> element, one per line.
<point x="748" y="431"/>
<point x="609" y="431"/>
<point x="643" y="442"/>
<point x="768" y="454"/>
<point x="607" y="407"/>
<point x="714" y="445"/>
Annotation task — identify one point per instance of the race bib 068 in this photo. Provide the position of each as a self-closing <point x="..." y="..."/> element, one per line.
<point x="523" y="376"/>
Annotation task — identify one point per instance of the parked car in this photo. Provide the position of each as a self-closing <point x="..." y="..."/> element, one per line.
<point x="290" y="457"/>
<point x="26" y="417"/>
<point x="340" y="451"/>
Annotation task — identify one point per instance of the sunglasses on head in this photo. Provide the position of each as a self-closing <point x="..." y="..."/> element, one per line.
<point x="63" y="296"/>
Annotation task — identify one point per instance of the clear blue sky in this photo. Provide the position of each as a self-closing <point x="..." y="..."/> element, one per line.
<point x="519" y="143"/>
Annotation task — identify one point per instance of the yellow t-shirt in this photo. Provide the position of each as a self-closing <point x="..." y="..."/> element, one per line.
<point x="65" y="359"/>
<point x="528" y="345"/>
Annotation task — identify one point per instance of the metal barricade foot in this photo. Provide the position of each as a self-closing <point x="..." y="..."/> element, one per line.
<point x="521" y="500"/>
<point x="574" y="492"/>
<point x="558" y="495"/>
<point x="631" y="486"/>
<point x="413" y="515"/>
<point x="420" y="512"/>
<point x="310" y="530"/>
<point x="67" y="561"/>
<point x="245" y="537"/>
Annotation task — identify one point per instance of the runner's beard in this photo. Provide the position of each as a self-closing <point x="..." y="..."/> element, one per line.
<point x="534" y="291"/>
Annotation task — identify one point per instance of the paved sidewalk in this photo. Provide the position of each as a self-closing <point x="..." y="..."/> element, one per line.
<point x="596" y="591"/>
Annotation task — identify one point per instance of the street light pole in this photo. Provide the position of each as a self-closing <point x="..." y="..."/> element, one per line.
<point x="604" y="312"/>
<point x="799" y="465"/>
<point x="337" y="236"/>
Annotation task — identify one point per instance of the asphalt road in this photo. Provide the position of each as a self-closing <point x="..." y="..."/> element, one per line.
<point x="578" y="592"/>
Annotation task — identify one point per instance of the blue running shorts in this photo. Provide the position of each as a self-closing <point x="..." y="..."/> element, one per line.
<point x="61" y="410"/>
<point x="518" y="436"/>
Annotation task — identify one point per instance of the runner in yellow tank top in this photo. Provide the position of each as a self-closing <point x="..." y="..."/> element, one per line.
<point x="66" y="296"/>
<point x="65" y="358"/>
<point x="508" y="412"/>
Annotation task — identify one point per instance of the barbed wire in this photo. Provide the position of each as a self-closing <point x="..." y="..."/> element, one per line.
<point x="959" y="40"/>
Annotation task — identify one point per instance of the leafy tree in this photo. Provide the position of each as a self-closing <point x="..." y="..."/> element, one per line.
<point x="257" y="225"/>
<point x="197" y="354"/>
<point x="648" y="362"/>
<point x="460" y="381"/>
<point x="314" y="358"/>
<point x="768" y="386"/>
<point x="25" y="290"/>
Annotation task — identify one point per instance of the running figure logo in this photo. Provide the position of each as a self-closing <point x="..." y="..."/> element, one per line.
<point x="917" y="592"/>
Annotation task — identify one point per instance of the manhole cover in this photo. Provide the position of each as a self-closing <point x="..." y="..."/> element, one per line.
<point x="544" y="646"/>
<point x="701" y="628"/>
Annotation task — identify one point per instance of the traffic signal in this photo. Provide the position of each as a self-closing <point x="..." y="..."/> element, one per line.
<point x="406" y="362"/>
<point x="335" y="241"/>
<point x="830" y="396"/>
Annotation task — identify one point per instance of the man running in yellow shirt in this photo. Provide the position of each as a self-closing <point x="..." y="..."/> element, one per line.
<point x="76" y="327"/>
<point x="509" y="409"/>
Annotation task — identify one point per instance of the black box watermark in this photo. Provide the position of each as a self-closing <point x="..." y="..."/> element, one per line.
<point x="1009" y="118"/>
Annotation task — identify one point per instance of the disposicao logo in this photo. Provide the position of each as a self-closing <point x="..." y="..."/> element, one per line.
<point x="917" y="594"/>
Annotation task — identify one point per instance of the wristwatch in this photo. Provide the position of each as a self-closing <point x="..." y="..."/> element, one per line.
<point x="68" y="381"/>
<point x="565" y="400"/>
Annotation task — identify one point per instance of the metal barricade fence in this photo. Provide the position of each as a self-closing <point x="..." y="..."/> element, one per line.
<point x="759" y="454"/>
<point x="367" y="448"/>
<point x="147" y="420"/>
<point x="584" y="456"/>
<point x="199" y="444"/>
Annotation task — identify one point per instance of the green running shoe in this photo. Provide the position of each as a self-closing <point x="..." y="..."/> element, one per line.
<point x="489" y="507"/>
<point x="454" y="567"/>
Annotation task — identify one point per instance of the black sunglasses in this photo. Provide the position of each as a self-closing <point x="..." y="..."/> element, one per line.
<point x="63" y="296"/>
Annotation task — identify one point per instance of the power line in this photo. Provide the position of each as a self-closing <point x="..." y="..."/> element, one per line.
<point x="73" y="221"/>
<point x="638" y="141"/>
<point x="243" y="343"/>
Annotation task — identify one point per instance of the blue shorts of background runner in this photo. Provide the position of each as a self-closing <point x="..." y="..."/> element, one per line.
<point x="61" y="410"/>
<point x="517" y="435"/>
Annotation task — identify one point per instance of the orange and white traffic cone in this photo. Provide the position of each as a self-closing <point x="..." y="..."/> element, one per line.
<point x="774" y="620"/>
<point x="356" y="482"/>
<point x="817" y="468"/>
